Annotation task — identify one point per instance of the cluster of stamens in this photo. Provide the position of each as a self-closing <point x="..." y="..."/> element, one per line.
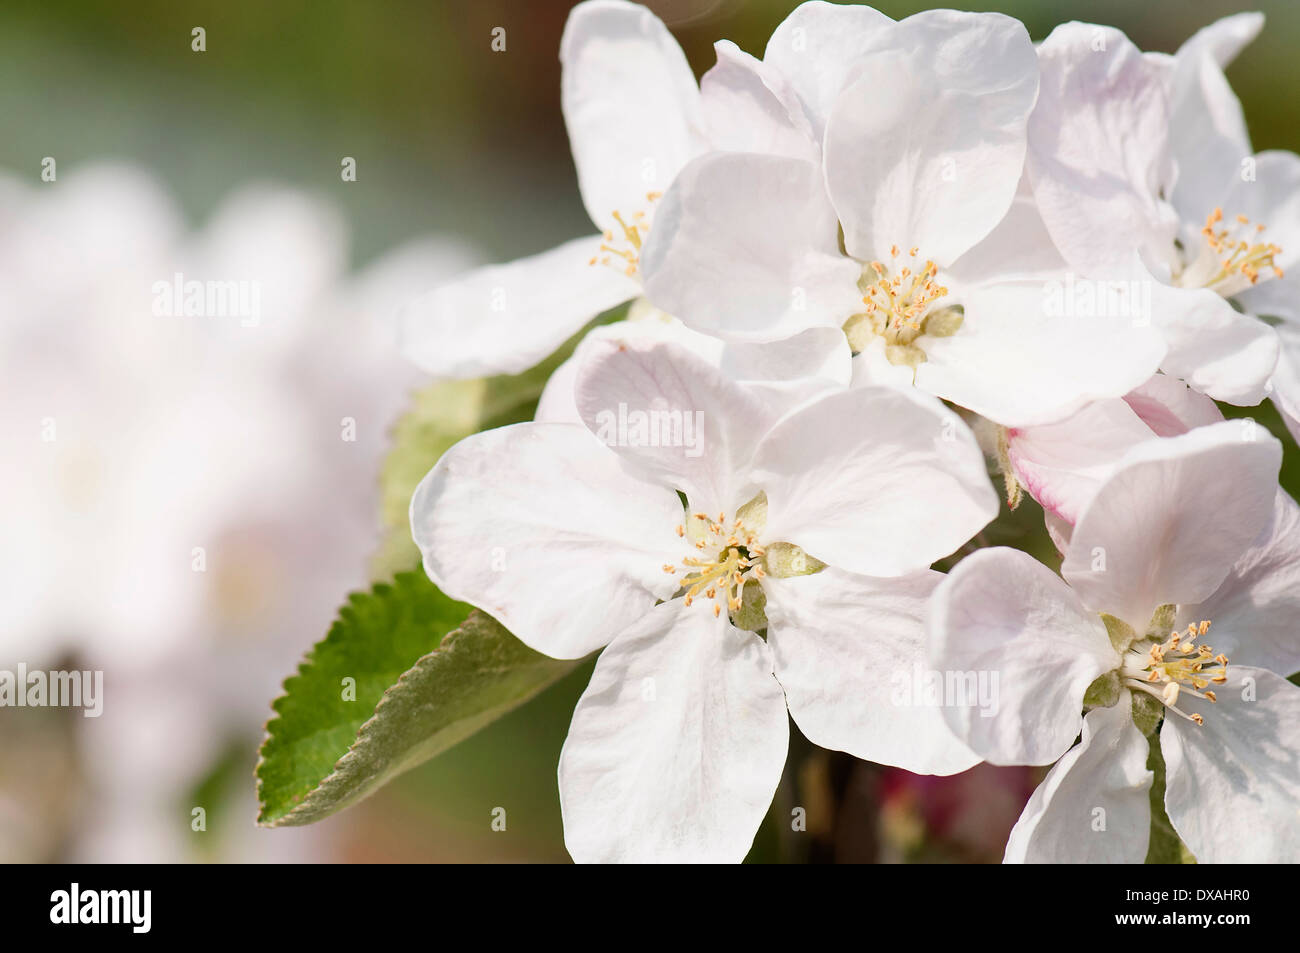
<point x="623" y="252"/>
<point x="725" y="556"/>
<point x="1176" y="666"/>
<point x="1235" y="256"/>
<point x="897" y="299"/>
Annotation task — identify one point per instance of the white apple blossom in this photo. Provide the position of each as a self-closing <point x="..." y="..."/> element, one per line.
<point x="1188" y="542"/>
<point x="1143" y="172"/>
<point x="903" y="222"/>
<point x="814" y="524"/>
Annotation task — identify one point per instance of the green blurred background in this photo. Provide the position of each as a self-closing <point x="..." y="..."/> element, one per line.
<point x="452" y="137"/>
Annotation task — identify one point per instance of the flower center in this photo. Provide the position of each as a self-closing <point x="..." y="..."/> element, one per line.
<point x="1232" y="258"/>
<point x="725" y="554"/>
<point x="622" y="252"/>
<point x="1167" y="669"/>
<point x="900" y="300"/>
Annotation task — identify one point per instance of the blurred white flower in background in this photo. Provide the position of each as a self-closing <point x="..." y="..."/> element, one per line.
<point x="187" y="497"/>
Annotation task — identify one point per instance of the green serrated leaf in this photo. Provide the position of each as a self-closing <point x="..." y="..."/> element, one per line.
<point x="422" y="683"/>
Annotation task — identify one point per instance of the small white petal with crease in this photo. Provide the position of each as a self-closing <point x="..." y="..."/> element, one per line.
<point x="677" y="745"/>
<point x="1093" y="807"/>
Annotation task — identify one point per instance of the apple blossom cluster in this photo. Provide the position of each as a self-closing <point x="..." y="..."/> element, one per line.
<point x="868" y="273"/>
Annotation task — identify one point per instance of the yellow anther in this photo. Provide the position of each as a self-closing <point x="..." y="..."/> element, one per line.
<point x="1180" y="665"/>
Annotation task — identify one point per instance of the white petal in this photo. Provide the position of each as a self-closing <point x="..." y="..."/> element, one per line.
<point x="676" y="746"/>
<point x="926" y="146"/>
<point x="1169" y="407"/>
<point x="1003" y="613"/>
<point x="818" y="46"/>
<point x="1225" y="38"/>
<point x="1254" y="612"/>
<point x="1212" y="346"/>
<point x="1162" y="530"/>
<point x="875" y="481"/>
<point x="1097" y="184"/>
<point x="1286" y="378"/>
<point x="750" y="106"/>
<point x="674" y="416"/>
<point x="745" y="246"/>
<point x="782" y="373"/>
<point x="539" y="526"/>
<point x="1018" y="248"/>
<point x="850" y="651"/>
<point x="1208" y="129"/>
<point x="1093" y="807"/>
<point x="1062" y="465"/>
<point x="821" y="353"/>
<point x="630" y="104"/>
<point x="1207" y="134"/>
<point x="503" y="319"/>
<point x="1021" y="358"/>
<point x="556" y="405"/>
<point x="872" y="368"/>
<point x="1270" y="196"/>
<point x="1233" y="784"/>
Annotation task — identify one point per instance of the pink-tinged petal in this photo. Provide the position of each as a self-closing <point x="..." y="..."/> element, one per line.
<point x="1062" y="465"/>
<point x="1162" y="530"/>
<point x="1169" y="407"/>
